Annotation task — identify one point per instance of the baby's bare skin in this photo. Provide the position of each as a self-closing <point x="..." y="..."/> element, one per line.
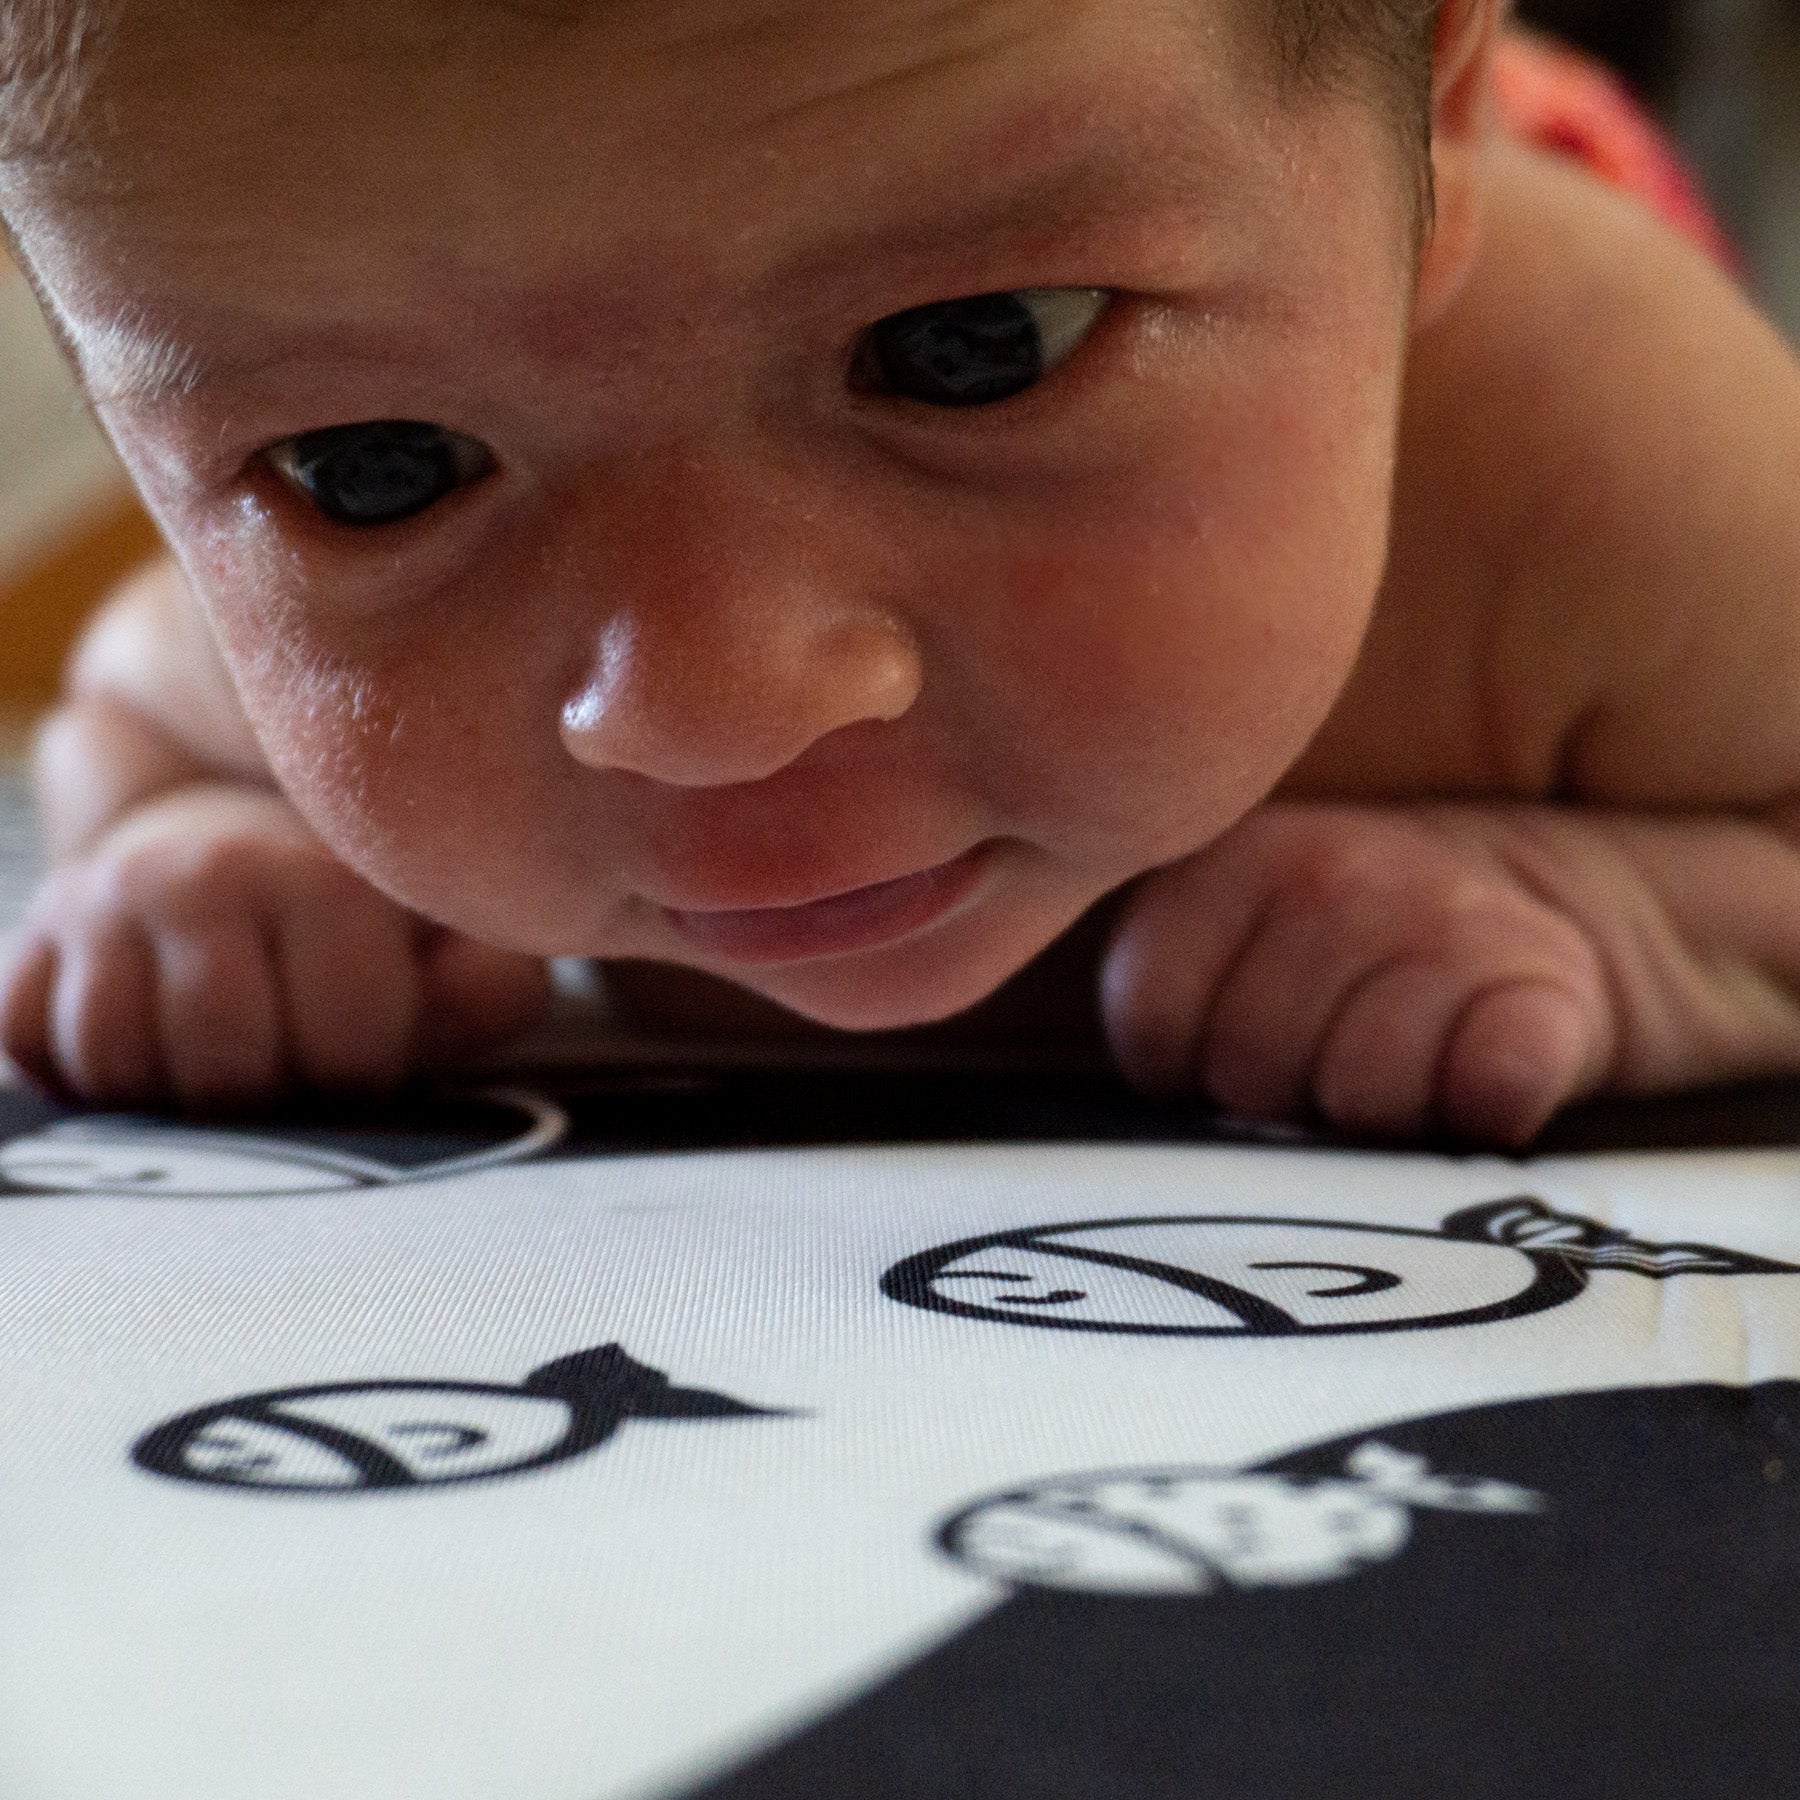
<point x="1559" y="634"/>
<point x="1440" y="849"/>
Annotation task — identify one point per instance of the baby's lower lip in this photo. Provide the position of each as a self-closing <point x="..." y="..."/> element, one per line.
<point x="859" y="920"/>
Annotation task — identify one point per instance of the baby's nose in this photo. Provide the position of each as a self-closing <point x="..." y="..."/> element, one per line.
<point x="736" y="635"/>
<point x="701" y="705"/>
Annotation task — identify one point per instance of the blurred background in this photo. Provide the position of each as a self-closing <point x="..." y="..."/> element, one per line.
<point x="1724" y="75"/>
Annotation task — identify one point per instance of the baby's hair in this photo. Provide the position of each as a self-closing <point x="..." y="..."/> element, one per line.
<point x="46" y="61"/>
<point x="48" y="49"/>
<point x="1381" y="49"/>
<point x="1388" y="41"/>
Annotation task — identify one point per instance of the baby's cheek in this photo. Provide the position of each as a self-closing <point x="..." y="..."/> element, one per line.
<point x="396" y="760"/>
<point x="337" y="739"/>
<point x="1158" y="680"/>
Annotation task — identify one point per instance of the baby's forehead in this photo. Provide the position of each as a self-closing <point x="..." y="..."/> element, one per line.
<point x="57" y="55"/>
<point x="420" y="156"/>
<point x="67" y="66"/>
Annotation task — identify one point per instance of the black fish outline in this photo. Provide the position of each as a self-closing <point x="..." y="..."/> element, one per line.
<point x="1565" y="1250"/>
<point x="360" y="1159"/>
<point x="604" y="1388"/>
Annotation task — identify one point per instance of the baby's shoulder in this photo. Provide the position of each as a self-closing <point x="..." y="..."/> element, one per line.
<point x="1595" y="580"/>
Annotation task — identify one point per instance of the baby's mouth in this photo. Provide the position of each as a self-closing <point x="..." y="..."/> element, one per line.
<point x="835" y="924"/>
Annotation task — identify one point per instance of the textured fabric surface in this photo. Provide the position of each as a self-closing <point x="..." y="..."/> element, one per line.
<point x="462" y="1452"/>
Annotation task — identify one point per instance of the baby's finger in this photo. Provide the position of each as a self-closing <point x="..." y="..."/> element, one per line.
<point x="1260" y="1041"/>
<point x="1388" y="1054"/>
<point x="25" y="997"/>
<point x="1377" y="1066"/>
<point x="1177" y="939"/>
<point x="219" y="1015"/>
<point x="103" y="1027"/>
<point x="351" y="992"/>
<point x="477" y="996"/>
<point x="1517" y="1053"/>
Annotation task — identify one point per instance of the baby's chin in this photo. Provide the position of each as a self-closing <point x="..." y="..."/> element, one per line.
<point x="855" y="1002"/>
<point x="1019" y="982"/>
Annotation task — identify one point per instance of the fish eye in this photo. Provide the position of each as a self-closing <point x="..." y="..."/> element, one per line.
<point x="978" y="351"/>
<point x="1056" y="1296"/>
<point x="378" y="473"/>
<point x="437" y="1441"/>
<point x="233" y="1449"/>
<point x="1362" y="1280"/>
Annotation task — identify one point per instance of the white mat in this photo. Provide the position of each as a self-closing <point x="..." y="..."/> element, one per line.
<point x="329" y="1470"/>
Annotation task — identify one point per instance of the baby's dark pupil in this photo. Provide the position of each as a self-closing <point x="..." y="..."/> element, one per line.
<point x="376" y="474"/>
<point x="961" y="352"/>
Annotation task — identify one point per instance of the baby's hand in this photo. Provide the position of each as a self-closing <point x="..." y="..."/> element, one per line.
<point x="207" y="950"/>
<point x="1466" y="969"/>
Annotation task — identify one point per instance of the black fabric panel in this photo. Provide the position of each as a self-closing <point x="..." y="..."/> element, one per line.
<point x="1641" y="1639"/>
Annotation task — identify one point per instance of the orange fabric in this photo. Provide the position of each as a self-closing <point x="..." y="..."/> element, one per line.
<point x="43" y="610"/>
<point x="1563" y="102"/>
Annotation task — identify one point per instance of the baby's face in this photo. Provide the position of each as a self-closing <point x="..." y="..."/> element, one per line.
<point x="876" y="477"/>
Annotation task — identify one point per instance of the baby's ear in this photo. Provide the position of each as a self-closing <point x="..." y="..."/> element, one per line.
<point x="1461" y="116"/>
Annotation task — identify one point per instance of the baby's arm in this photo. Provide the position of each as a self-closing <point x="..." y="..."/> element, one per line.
<point x="1461" y="967"/>
<point x="1549" y="844"/>
<point x="195" y="942"/>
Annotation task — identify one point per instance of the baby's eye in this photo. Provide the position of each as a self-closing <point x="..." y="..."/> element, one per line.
<point x="980" y="351"/>
<point x="378" y="473"/>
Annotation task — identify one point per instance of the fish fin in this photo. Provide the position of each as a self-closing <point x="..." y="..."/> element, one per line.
<point x="609" y="1380"/>
<point x="699" y="1403"/>
<point x="1527" y="1224"/>
<point x="606" y="1377"/>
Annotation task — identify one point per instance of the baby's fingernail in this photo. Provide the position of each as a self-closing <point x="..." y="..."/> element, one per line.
<point x="1515" y="1058"/>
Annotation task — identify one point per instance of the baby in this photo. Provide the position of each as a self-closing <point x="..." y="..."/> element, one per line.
<point x="828" y="495"/>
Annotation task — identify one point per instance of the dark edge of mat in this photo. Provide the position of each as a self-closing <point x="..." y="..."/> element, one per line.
<point x="674" y="1109"/>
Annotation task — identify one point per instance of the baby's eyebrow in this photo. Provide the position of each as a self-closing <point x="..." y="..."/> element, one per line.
<point x="129" y="363"/>
<point x="124" y="358"/>
<point x="127" y="359"/>
<point x="1068" y="203"/>
<point x="1098" y="176"/>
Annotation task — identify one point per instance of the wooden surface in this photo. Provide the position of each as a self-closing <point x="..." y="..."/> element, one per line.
<point x="43" y="609"/>
<point x="69" y="525"/>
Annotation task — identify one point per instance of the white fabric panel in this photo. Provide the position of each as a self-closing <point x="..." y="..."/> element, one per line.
<point x="699" y="1583"/>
